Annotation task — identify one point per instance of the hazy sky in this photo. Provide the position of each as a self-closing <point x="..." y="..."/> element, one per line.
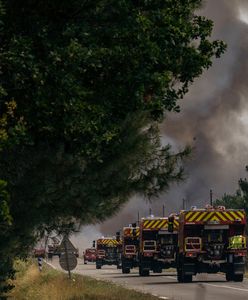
<point x="214" y="119"/>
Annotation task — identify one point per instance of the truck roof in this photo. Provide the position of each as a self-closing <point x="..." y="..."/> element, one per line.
<point x="109" y="242"/>
<point x="211" y="215"/>
<point x="158" y="223"/>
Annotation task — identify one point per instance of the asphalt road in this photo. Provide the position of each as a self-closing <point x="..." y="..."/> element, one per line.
<point x="165" y="285"/>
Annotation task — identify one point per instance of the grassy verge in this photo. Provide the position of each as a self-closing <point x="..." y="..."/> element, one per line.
<point x="30" y="284"/>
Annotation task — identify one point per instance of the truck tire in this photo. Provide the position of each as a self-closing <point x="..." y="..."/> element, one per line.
<point x="238" y="277"/>
<point x="143" y="272"/>
<point x="157" y="270"/>
<point x="229" y="276"/>
<point x="179" y="276"/>
<point x="125" y="270"/>
<point x="98" y="267"/>
<point x="85" y="262"/>
<point x="182" y="277"/>
<point x="188" y="278"/>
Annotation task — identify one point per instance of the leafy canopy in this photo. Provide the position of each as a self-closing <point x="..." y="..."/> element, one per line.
<point x="83" y="85"/>
<point x="239" y="200"/>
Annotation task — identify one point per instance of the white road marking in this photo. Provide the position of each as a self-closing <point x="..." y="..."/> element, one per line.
<point x="160" y="297"/>
<point x="50" y="265"/>
<point x="171" y="277"/>
<point x="226" y="287"/>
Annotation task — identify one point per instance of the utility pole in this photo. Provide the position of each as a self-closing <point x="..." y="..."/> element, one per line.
<point x="138" y="219"/>
<point x="184" y="204"/>
<point x="163" y="210"/>
<point x="211" y="197"/>
<point x="150" y="211"/>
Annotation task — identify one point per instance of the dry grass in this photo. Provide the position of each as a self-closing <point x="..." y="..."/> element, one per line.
<point x="53" y="285"/>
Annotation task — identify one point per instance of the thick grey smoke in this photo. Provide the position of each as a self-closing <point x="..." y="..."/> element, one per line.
<point x="85" y="237"/>
<point x="213" y="119"/>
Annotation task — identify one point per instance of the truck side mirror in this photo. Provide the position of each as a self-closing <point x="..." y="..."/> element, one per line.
<point x="171" y="224"/>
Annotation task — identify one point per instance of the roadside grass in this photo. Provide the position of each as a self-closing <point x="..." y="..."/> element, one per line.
<point x="50" y="284"/>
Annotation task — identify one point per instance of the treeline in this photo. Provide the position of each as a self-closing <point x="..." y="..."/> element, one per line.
<point x="239" y="199"/>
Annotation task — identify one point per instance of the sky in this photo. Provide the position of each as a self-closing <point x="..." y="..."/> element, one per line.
<point x="213" y="120"/>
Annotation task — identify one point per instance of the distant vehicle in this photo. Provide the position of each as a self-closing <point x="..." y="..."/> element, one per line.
<point x="89" y="255"/>
<point x="57" y="247"/>
<point x="39" y="252"/>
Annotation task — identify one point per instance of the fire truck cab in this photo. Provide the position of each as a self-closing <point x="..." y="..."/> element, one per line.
<point x="211" y="240"/>
<point x="158" y="244"/>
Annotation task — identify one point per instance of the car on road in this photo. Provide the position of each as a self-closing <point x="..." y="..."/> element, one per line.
<point x="89" y="255"/>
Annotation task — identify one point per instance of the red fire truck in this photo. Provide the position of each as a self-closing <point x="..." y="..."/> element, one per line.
<point x="89" y="255"/>
<point x="158" y="244"/>
<point x="130" y="247"/>
<point x="108" y="252"/>
<point x="211" y="240"/>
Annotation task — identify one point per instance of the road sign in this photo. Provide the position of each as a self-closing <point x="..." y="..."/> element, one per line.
<point x="66" y="245"/>
<point x="68" y="261"/>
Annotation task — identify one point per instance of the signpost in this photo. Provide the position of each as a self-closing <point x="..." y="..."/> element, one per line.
<point x="40" y="263"/>
<point x="67" y="260"/>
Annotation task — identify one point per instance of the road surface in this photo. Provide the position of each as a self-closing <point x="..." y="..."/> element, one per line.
<point x="165" y="285"/>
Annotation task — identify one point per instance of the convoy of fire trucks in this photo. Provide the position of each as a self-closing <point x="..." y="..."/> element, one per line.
<point x="208" y="240"/>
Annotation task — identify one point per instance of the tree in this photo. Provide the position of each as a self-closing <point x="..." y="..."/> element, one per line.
<point x="83" y="87"/>
<point x="239" y="200"/>
<point x="6" y="270"/>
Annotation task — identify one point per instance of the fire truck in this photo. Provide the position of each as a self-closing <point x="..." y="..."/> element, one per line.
<point x="158" y="244"/>
<point x="108" y="251"/>
<point x="130" y="248"/>
<point x="211" y="240"/>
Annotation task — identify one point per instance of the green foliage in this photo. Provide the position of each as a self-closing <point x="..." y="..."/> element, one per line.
<point x="238" y="200"/>
<point x="6" y="270"/>
<point x="90" y="83"/>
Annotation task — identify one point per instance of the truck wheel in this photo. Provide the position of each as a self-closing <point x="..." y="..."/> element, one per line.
<point x="157" y="270"/>
<point x="98" y="266"/>
<point x="187" y="278"/>
<point x="229" y="276"/>
<point x="143" y="272"/>
<point x="181" y="277"/>
<point x="238" y="277"/>
<point x="85" y="262"/>
<point x="125" y="270"/>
